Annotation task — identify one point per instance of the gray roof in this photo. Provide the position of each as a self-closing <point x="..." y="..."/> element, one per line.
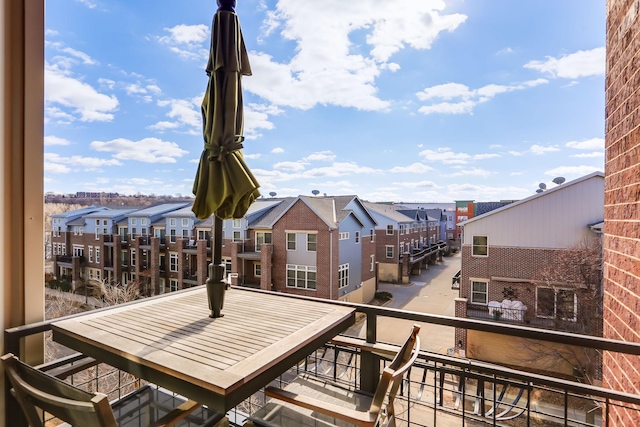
<point x="390" y="211"/>
<point x="77" y="221"/>
<point x="158" y="209"/>
<point x="109" y="213"/>
<point x="270" y="216"/>
<point x="78" y="212"/>
<point x="184" y="212"/>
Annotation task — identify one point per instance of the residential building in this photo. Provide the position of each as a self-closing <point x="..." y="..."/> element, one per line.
<point x="504" y="255"/>
<point x="448" y="215"/>
<point x="402" y="235"/>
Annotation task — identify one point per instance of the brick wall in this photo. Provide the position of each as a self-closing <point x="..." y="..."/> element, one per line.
<point x="622" y="200"/>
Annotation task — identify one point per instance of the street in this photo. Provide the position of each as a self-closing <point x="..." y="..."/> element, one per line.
<point x="428" y="293"/>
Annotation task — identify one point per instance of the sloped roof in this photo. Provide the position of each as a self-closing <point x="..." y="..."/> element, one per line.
<point x="394" y="213"/>
<point x="71" y="215"/>
<point x="271" y="216"/>
<point x="109" y="213"/>
<point x="535" y="196"/>
<point x="158" y="209"/>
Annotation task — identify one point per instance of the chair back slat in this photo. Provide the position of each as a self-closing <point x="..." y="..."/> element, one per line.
<point x="35" y="389"/>
<point x="393" y="373"/>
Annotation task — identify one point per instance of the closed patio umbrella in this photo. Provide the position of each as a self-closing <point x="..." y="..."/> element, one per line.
<point x="224" y="186"/>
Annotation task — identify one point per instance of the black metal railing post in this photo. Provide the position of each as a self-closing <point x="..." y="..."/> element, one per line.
<point x="369" y="362"/>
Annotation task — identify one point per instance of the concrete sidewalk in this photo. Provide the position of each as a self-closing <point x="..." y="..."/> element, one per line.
<point x="428" y="293"/>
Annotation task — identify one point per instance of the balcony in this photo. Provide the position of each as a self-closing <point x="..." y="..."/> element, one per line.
<point x="67" y="260"/>
<point x="439" y="390"/>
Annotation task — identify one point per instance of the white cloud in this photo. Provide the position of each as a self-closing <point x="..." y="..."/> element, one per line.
<point x="473" y="172"/>
<point x="82" y="162"/>
<point x="464" y="98"/>
<point x="412" y="168"/>
<point x="89" y="3"/>
<point x="418" y="184"/>
<point x="320" y="156"/>
<point x="540" y="149"/>
<point x="328" y="67"/>
<point x="485" y="192"/>
<point x="589" y="155"/>
<point x="83" y="101"/>
<point x="54" y="140"/>
<point x="187" y="41"/>
<point x="517" y="153"/>
<point x="185" y="112"/>
<point x="339" y="169"/>
<point x="484" y="156"/>
<point x="56" y="168"/>
<point x="290" y="166"/>
<point x="256" y="117"/>
<point x="505" y="51"/>
<point x="445" y="155"/>
<point x="252" y="156"/>
<point x="588" y="144"/>
<point x="579" y="64"/>
<point x="572" y="171"/>
<point x="495" y="146"/>
<point x="148" y="150"/>
<point x="277" y="150"/>
<point x="107" y="83"/>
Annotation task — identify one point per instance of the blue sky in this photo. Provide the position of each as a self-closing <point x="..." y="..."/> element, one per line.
<point x="402" y="100"/>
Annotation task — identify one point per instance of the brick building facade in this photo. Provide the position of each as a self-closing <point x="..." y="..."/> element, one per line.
<point x="622" y="200"/>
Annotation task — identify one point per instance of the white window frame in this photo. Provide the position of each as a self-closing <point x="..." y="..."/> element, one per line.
<point x="292" y="244"/>
<point x="302" y="277"/>
<point x="134" y="221"/>
<point x="386" y="251"/>
<point x="484" y="293"/>
<point x="90" y="253"/>
<point x="172" y="235"/>
<point x="373" y="263"/>
<point x="257" y="269"/>
<point x="132" y="254"/>
<point x="357" y="237"/>
<point x="263" y="238"/>
<point x="373" y="235"/>
<point x="343" y="275"/>
<point x="78" y="250"/>
<point x="98" y="254"/>
<point x="185" y="222"/>
<point x="344" y="235"/>
<point x="555" y="303"/>
<point x="143" y="221"/>
<point x="237" y="223"/>
<point x="389" y="230"/>
<point x="312" y="246"/>
<point x="172" y="222"/>
<point x="173" y="285"/>
<point x="237" y="236"/>
<point x="173" y="262"/>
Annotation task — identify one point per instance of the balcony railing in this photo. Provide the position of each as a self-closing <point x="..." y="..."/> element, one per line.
<point x="440" y="389"/>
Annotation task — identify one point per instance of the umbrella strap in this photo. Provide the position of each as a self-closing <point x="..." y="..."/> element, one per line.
<point x="219" y="153"/>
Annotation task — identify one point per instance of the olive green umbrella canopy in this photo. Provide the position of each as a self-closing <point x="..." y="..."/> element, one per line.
<point x="224" y="185"/>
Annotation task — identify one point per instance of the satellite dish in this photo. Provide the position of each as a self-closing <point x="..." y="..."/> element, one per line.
<point x="559" y="180"/>
<point x="315" y="192"/>
<point x="273" y="194"/>
<point x="542" y="186"/>
<point x="539" y="190"/>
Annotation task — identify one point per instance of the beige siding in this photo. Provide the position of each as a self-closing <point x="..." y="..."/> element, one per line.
<point x="554" y="220"/>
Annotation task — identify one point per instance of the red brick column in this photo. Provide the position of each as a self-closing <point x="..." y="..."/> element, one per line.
<point x="201" y="260"/>
<point x="235" y="262"/>
<point x="461" y="334"/>
<point x="154" y="265"/>
<point x="622" y="201"/>
<point x="266" y="252"/>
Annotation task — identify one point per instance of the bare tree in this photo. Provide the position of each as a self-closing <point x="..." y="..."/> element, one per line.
<point x="569" y="294"/>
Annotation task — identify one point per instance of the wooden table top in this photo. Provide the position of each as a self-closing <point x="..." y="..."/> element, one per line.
<point x="172" y="341"/>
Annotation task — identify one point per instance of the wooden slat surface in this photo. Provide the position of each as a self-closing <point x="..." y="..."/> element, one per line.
<point x="175" y="335"/>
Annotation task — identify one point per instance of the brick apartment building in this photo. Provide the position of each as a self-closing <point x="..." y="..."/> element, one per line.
<point x="316" y="246"/>
<point x="505" y="254"/>
<point x="622" y="200"/>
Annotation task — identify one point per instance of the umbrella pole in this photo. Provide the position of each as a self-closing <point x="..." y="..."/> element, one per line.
<point x="215" y="283"/>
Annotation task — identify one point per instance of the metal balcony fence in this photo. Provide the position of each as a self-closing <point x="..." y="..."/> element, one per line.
<point x="439" y="389"/>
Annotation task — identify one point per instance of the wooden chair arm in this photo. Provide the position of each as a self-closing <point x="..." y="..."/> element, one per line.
<point x="177" y="414"/>
<point x="346" y="414"/>
<point x="387" y="351"/>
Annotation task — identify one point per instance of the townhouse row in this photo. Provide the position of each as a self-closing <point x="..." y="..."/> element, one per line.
<point x="329" y="247"/>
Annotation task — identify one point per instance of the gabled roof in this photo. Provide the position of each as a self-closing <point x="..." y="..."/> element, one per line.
<point x="162" y="208"/>
<point x="71" y="215"/>
<point x="392" y="212"/>
<point x="270" y="217"/>
<point x="535" y="196"/>
<point x="109" y="213"/>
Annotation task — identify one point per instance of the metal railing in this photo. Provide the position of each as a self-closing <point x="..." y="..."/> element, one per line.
<point x="441" y="386"/>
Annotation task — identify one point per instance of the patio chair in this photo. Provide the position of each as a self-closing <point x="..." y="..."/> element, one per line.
<point x="37" y="391"/>
<point x="308" y="402"/>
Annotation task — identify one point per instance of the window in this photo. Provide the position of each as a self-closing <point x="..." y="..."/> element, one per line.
<point x="104" y="222"/>
<point x="98" y="255"/>
<point x="227" y="266"/>
<point x="464" y="209"/>
<point x="162" y="285"/>
<point x="257" y="270"/>
<point x="301" y="276"/>
<point x="479" y="293"/>
<point x="173" y="262"/>
<point x="343" y="276"/>
<point x="480" y="247"/>
<point x="173" y="285"/>
<point x="312" y="240"/>
<point x="90" y="253"/>
<point x="124" y="258"/>
<point x="97" y="274"/>
<point x="373" y="263"/>
<point x="237" y="223"/>
<point x="97" y="233"/>
<point x="133" y="257"/>
<point x="134" y="221"/>
<point x="143" y="231"/>
<point x="344" y="236"/>
<point x="78" y="250"/>
<point x="172" y="235"/>
<point x="357" y="236"/>
<point x="237" y="236"/>
<point x="133" y="232"/>
<point x="560" y="303"/>
<point x="163" y="264"/>
<point x="263" y="238"/>
<point x="172" y="222"/>
<point x="389" y="230"/>
<point x="373" y="235"/>
<point x="143" y="221"/>
<point x="185" y="222"/>
<point x="185" y="234"/>
<point x="291" y="241"/>
<point x="389" y="251"/>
